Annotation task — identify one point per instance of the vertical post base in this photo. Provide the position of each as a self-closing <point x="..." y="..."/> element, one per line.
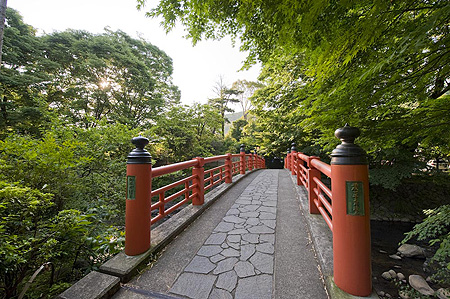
<point x="351" y="229"/>
<point x="137" y="211"/>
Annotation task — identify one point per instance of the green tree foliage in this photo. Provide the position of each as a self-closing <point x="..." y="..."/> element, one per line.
<point x="380" y="65"/>
<point x="22" y="106"/>
<point x="188" y="132"/>
<point x="236" y="129"/>
<point x="110" y="75"/>
<point x="79" y="208"/>
<point x="436" y="230"/>
<point x="225" y="96"/>
<point x="81" y="77"/>
<point x="246" y="90"/>
<point x="33" y="232"/>
<point x="70" y="102"/>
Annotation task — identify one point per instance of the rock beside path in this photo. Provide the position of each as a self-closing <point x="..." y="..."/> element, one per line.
<point x="420" y="285"/>
<point x="443" y="293"/>
<point x="409" y="250"/>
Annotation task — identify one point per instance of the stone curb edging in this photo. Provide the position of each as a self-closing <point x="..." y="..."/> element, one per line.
<point x="322" y="240"/>
<point x="121" y="268"/>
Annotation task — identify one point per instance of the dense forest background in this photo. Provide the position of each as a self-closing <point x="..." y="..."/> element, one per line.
<point x="71" y="101"/>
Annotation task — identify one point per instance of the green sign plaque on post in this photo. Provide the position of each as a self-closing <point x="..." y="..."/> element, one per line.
<point x="131" y="187"/>
<point x="355" y="198"/>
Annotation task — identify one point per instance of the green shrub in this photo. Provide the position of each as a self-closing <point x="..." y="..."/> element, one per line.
<point x="436" y="229"/>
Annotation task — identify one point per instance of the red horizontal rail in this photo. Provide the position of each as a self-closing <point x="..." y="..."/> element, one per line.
<point x="173" y="185"/>
<point x="324" y="214"/>
<point x="322" y="167"/>
<point x="216" y="158"/>
<point x="159" y="171"/>
<point x="214" y="169"/>
<point x="177" y="194"/>
<point x="323" y="200"/>
<point x="210" y="178"/>
<point x="179" y="204"/>
<point x="303" y="176"/>
<point x="303" y="157"/>
<point x="324" y="188"/>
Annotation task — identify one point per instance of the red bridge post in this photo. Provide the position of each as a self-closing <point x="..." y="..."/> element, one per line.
<point x="312" y="173"/>
<point x="293" y="158"/>
<point x="228" y="169"/>
<point x="351" y="218"/>
<point x="286" y="160"/>
<point x="199" y="172"/>
<point x="138" y="198"/>
<point x="242" y="159"/>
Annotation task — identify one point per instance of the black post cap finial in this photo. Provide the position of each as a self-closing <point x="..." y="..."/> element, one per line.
<point x="242" y="148"/>
<point x="293" y="148"/>
<point x="140" y="142"/>
<point x="139" y="155"/>
<point x="347" y="134"/>
<point x="348" y="153"/>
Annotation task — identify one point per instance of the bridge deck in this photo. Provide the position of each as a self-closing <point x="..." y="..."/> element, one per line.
<point x="252" y="243"/>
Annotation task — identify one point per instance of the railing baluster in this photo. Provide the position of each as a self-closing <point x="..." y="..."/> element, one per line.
<point x="161" y="209"/>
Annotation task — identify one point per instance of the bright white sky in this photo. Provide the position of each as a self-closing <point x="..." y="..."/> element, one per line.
<point x="196" y="69"/>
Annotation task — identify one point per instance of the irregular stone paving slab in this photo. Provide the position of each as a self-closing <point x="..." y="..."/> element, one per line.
<point x="249" y="214"/>
<point x="216" y="258"/>
<point x="263" y="262"/>
<point x="247" y="251"/>
<point x="225" y="265"/>
<point x="234" y="238"/>
<point x="233" y="219"/>
<point x="220" y="294"/>
<point x="227" y="281"/>
<point x="200" y="264"/>
<point x="209" y="250"/>
<point x="270" y="203"/>
<point x="269" y="223"/>
<point x="224" y="227"/>
<point x="251" y="238"/>
<point x="237" y="260"/>
<point x="193" y="285"/>
<point x="229" y="252"/>
<point x="267" y="238"/>
<point x="256" y="287"/>
<point x="252" y="221"/>
<point x="236" y="246"/>
<point x="238" y="231"/>
<point x="261" y="229"/>
<point x="244" y="269"/>
<point x="265" y="248"/>
<point x="233" y="212"/>
<point x="216" y="239"/>
<point x="265" y="215"/>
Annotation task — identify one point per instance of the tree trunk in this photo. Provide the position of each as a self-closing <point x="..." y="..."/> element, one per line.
<point x="2" y="25"/>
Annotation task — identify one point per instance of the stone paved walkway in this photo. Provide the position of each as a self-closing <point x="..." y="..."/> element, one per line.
<point x="253" y="242"/>
<point x="237" y="260"/>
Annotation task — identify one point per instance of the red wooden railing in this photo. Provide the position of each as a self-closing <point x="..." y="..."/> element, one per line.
<point x="140" y="174"/>
<point x="343" y="204"/>
<point x="308" y="170"/>
<point x="200" y="181"/>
